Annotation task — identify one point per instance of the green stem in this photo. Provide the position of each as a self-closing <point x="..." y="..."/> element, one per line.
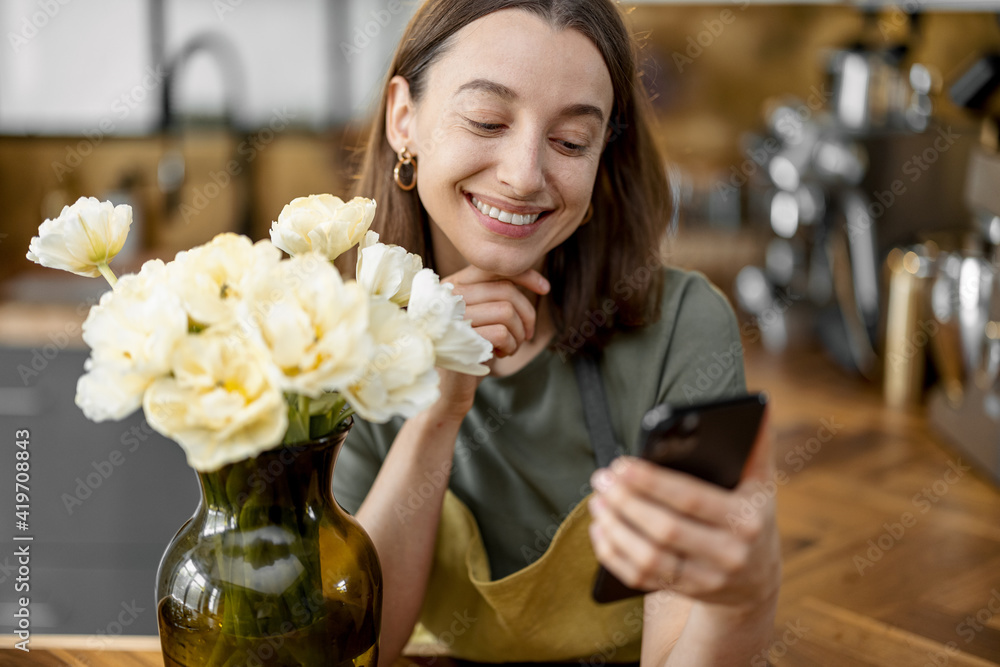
<point x="108" y="274"/>
<point x="345" y="415"/>
<point x="298" y="420"/>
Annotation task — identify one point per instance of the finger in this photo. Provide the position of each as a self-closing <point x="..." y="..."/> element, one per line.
<point x="501" y="292"/>
<point x="500" y="337"/>
<point x="531" y="279"/>
<point x="682" y="492"/>
<point x="670" y="530"/>
<point x="633" y="559"/>
<point x="498" y="312"/>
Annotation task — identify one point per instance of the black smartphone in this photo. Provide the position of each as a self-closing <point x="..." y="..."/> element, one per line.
<point x="710" y="441"/>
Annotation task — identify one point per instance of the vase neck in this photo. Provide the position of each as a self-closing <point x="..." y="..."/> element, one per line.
<point x="290" y="474"/>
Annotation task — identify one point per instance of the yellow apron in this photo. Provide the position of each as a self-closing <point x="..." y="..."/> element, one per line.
<point x="541" y="613"/>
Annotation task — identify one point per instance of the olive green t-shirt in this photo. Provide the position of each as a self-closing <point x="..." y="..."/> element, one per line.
<point x="523" y="458"/>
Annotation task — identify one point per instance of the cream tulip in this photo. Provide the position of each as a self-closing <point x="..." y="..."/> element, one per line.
<point x="440" y="314"/>
<point x="222" y="403"/>
<point x="322" y="223"/>
<point x="386" y="270"/>
<point x="314" y="325"/>
<point x="399" y="378"/>
<point x="83" y="239"/>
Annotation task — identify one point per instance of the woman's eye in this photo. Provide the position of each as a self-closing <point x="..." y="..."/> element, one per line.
<point x="573" y="148"/>
<point x="486" y="127"/>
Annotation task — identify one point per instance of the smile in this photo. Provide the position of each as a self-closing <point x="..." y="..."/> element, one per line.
<point x="504" y="216"/>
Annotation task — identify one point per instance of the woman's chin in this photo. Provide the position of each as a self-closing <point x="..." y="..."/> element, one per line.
<point x="504" y="266"/>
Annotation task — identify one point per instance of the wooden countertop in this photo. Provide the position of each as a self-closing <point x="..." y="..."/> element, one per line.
<point x="93" y="651"/>
<point x="83" y="651"/>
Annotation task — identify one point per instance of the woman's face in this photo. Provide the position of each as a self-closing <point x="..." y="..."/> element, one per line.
<point x="513" y="118"/>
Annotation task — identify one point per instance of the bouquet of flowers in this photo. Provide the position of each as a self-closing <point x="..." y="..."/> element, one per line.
<point x="231" y="349"/>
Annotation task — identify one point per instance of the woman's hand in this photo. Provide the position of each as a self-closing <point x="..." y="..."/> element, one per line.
<point x="655" y="528"/>
<point x="501" y="313"/>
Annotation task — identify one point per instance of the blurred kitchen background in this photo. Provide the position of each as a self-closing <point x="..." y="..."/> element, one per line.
<point x="835" y="165"/>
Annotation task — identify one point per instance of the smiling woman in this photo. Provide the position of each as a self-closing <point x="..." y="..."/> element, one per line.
<point x="540" y="195"/>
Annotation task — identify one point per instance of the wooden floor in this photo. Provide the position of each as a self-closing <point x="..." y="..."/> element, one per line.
<point x="891" y="547"/>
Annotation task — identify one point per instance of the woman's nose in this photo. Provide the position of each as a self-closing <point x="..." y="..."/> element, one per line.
<point x="521" y="165"/>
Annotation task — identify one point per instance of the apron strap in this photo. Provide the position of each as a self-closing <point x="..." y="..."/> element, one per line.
<point x="595" y="409"/>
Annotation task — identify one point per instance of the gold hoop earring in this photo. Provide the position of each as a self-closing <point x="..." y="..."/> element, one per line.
<point x="589" y="214"/>
<point x="405" y="159"/>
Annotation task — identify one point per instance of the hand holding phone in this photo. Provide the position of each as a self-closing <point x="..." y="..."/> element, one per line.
<point x="711" y="441"/>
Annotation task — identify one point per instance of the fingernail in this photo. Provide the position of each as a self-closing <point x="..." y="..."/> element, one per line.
<point x="601" y="480"/>
<point x="619" y="465"/>
<point x="545" y="284"/>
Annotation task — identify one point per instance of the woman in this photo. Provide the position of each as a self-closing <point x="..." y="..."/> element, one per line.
<point x="512" y="151"/>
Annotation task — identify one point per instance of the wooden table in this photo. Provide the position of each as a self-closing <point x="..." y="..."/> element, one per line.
<point x="83" y="651"/>
<point x="91" y="651"/>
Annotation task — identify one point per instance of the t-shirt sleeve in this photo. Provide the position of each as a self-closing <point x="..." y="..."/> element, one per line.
<point x="705" y="356"/>
<point x="357" y="466"/>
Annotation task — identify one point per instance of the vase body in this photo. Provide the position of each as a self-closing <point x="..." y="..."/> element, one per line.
<point x="270" y="570"/>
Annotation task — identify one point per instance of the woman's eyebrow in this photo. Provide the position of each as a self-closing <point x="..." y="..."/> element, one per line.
<point x="508" y="95"/>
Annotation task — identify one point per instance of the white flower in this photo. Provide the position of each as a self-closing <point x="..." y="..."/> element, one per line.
<point x="314" y="324"/>
<point x="210" y="278"/>
<point x="386" y="270"/>
<point x="132" y="333"/>
<point x="222" y="404"/>
<point x="440" y="314"/>
<point x="400" y="378"/>
<point x="323" y="223"/>
<point x="106" y="392"/>
<point x="87" y="234"/>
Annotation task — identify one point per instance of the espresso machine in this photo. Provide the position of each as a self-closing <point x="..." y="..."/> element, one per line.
<point x="847" y="183"/>
<point x="965" y="293"/>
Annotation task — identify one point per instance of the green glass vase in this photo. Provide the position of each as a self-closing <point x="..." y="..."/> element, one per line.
<point x="270" y="570"/>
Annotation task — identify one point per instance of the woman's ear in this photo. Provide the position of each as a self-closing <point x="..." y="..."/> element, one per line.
<point x="400" y="115"/>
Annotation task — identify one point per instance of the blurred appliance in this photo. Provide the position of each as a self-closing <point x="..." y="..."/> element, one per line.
<point x="865" y="171"/>
<point x="971" y="419"/>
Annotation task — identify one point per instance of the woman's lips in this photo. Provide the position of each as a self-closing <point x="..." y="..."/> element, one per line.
<point x="505" y="228"/>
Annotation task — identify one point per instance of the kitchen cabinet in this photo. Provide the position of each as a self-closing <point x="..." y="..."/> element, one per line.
<point x="105" y="499"/>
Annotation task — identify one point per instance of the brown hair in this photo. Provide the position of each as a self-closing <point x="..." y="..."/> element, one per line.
<point x="603" y="277"/>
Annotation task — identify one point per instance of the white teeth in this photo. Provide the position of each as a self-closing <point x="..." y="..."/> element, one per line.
<point x="505" y="216"/>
